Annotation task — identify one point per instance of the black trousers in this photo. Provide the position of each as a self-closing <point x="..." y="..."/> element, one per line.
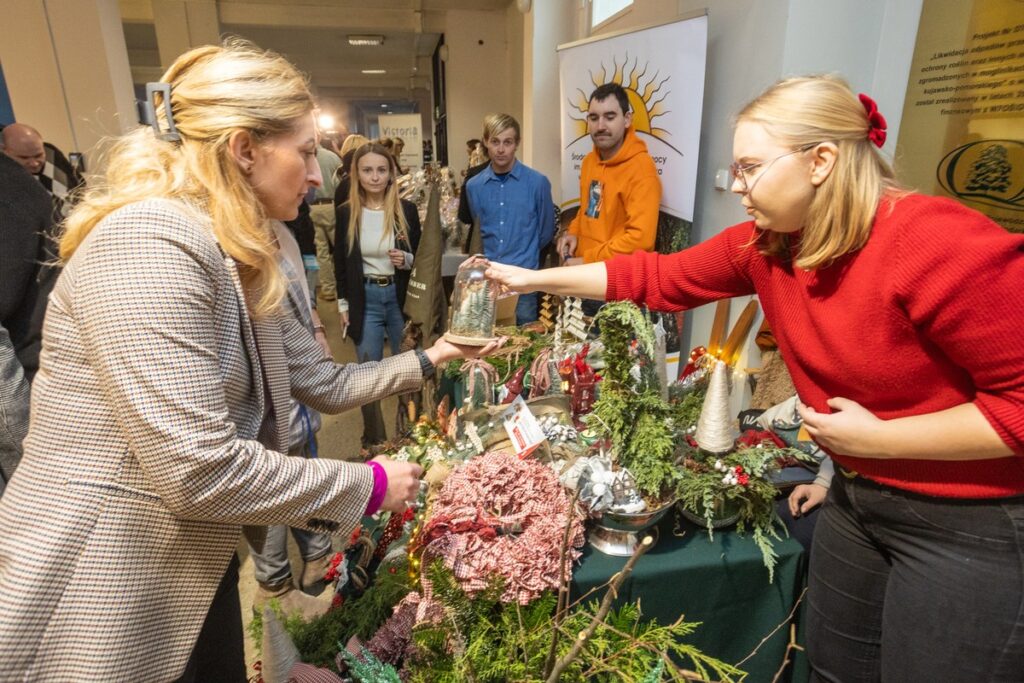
<point x="219" y="653"/>
<point x="907" y="588"/>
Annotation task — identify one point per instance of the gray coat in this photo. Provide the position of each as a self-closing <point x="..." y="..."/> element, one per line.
<point x="152" y="413"/>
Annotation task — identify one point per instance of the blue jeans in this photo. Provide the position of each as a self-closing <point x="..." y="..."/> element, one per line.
<point x="526" y="308"/>
<point x="905" y="587"/>
<point x="271" y="566"/>
<point x="381" y="317"/>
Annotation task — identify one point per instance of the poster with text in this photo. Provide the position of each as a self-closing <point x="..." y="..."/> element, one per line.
<point x="962" y="133"/>
<point x="662" y="70"/>
<point x="409" y="127"/>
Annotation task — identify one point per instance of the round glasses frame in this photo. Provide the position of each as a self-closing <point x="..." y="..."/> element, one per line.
<point x="742" y="172"/>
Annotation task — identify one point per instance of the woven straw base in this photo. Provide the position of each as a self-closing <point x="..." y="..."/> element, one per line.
<point x="468" y="341"/>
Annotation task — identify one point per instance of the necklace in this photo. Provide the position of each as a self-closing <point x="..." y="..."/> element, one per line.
<point x="374" y="208"/>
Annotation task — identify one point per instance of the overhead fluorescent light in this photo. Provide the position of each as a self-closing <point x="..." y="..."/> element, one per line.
<point x="367" y="39"/>
<point x="375" y="71"/>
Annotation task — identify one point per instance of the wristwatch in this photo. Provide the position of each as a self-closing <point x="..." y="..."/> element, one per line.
<point x="426" y="367"/>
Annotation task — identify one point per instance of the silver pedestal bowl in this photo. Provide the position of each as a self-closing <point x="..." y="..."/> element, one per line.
<point x="619" y="533"/>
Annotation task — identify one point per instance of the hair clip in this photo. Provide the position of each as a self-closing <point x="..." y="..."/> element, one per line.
<point x="876" y="122"/>
<point x="171" y="134"/>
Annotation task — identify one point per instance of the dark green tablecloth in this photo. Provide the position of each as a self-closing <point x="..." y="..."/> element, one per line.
<point x="722" y="583"/>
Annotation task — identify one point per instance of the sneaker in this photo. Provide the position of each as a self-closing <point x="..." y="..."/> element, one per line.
<point x="312" y="580"/>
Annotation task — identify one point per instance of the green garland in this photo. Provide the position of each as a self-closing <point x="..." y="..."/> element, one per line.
<point x="487" y="641"/>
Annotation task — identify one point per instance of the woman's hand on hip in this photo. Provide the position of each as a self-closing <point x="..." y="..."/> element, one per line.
<point x="403" y="483"/>
<point x="850" y="429"/>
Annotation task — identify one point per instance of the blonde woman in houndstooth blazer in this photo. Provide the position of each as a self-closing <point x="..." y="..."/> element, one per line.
<point x="160" y="409"/>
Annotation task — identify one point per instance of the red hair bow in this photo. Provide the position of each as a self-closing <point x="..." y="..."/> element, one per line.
<point x="876" y="122"/>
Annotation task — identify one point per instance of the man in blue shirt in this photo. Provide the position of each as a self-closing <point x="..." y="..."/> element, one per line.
<point x="513" y="205"/>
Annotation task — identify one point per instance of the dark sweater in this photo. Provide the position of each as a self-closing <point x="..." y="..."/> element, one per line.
<point x="26" y="239"/>
<point x="348" y="266"/>
<point x="927" y="316"/>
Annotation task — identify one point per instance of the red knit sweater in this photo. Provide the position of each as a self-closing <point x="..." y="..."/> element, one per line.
<point x="928" y="315"/>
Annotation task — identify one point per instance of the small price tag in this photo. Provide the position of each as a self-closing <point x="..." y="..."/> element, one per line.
<point x="522" y="427"/>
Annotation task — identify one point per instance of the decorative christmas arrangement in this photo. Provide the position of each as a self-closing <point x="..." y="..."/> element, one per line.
<point x="556" y="439"/>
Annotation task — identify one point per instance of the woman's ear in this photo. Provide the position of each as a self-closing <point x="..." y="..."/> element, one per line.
<point x="824" y="157"/>
<point x="243" y="150"/>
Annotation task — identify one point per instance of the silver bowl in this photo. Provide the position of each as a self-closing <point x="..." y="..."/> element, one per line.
<point x="619" y="533"/>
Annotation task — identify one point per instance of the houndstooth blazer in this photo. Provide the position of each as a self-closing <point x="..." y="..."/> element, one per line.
<point x="144" y="455"/>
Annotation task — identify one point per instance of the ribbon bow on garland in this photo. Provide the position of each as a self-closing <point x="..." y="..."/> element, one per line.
<point x="876" y="122"/>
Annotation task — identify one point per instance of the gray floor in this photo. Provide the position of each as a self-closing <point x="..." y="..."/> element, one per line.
<point x="338" y="438"/>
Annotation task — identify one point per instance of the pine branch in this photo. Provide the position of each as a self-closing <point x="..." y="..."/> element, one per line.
<point x="602" y="612"/>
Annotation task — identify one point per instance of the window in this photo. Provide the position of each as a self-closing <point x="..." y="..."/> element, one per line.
<point x="602" y="10"/>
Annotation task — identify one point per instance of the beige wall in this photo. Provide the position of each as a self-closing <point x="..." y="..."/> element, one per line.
<point x="479" y="76"/>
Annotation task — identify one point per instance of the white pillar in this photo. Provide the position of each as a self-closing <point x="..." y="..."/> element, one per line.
<point x="182" y="25"/>
<point x="67" y="70"/>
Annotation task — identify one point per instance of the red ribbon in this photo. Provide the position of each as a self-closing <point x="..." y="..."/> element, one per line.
<point x="876" y="122"/>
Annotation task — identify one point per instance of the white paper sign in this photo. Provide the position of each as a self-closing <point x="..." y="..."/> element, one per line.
<point x="522" y="427"/>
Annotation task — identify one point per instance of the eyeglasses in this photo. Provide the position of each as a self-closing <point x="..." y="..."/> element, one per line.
<point x="742" y="173"/>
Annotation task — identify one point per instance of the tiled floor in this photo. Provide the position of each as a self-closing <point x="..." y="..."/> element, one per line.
<point x="338" y="438"/>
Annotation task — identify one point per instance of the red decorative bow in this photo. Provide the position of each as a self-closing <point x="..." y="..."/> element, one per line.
<point x="876" y="122"/>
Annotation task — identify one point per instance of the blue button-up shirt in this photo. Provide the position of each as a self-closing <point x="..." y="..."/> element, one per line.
<point x="516" y="214"/>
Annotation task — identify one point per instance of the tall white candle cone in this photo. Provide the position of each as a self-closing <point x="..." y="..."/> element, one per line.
<point x="714" y="428"/>
<point x="279" y="652"/>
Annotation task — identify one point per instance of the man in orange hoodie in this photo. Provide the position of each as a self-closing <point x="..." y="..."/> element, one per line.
<point x="619" y="186"/>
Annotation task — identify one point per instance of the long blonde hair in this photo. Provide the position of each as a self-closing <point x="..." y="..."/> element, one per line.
<point x="215" y="91"/>
<point x="808" y="110"/>
<point x="394" y="218"/>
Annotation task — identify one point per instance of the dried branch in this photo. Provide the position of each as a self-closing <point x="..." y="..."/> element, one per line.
<point x="563" y="584"/>
<point x="602" y="612"/>
<point x="764" y="640"/>
<point x="792" y="645"/>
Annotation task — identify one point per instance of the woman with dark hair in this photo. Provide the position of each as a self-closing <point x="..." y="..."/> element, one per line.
<point x="377" y="238"/>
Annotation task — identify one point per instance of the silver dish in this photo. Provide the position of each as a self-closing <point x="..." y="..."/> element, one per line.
<point x="619" y="533"/>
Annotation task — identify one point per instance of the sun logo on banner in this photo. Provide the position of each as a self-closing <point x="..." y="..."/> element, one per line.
<point x="645" y="93"/>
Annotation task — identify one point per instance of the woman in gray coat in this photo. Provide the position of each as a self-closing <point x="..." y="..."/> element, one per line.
<point x="160" y="410"/>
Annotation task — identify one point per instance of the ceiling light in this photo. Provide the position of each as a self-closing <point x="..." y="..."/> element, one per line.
<point x="383" y="106"/>
<point x="375" y="71"/>
<point x="326" y="121"/>
<point x="366" y="40"/>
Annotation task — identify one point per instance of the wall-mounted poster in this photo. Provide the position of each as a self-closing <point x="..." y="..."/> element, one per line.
<point x="962" y="133"/>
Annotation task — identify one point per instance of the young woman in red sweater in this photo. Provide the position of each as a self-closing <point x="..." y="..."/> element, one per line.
<point x="900" y="317"/>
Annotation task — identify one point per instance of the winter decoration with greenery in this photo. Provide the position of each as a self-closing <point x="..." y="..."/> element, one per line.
<point x="630" y="411"/>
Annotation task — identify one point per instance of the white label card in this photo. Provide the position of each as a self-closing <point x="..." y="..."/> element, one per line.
<point x="522" y="427"/>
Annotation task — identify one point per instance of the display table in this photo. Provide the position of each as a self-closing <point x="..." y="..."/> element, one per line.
<point x="722" y="583"/>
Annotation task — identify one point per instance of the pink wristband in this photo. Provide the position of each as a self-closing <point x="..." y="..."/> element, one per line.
<point x="380" y="487"/>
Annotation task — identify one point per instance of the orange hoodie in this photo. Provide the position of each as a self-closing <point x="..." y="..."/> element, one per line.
<point x="620" y="215"/>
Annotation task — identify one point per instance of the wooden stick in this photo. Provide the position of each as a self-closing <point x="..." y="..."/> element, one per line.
<point x="718" y="327"/>
<point x="602" y="612"/>
<point x="731" y="351"/>
<point x="563" y="584"/>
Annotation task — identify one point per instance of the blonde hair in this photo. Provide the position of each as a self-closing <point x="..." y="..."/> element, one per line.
<point x="394" y="218"/>
<point x="352" y="142"/>
<point x="802" y="112"/>
<point x="215" y="91"/>
<point x="495" y="124"/>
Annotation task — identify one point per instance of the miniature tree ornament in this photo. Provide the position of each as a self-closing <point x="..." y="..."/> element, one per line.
<point x="473" y="305"/>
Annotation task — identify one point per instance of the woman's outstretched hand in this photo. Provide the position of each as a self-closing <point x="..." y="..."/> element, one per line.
<point x="512" y="278"/>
